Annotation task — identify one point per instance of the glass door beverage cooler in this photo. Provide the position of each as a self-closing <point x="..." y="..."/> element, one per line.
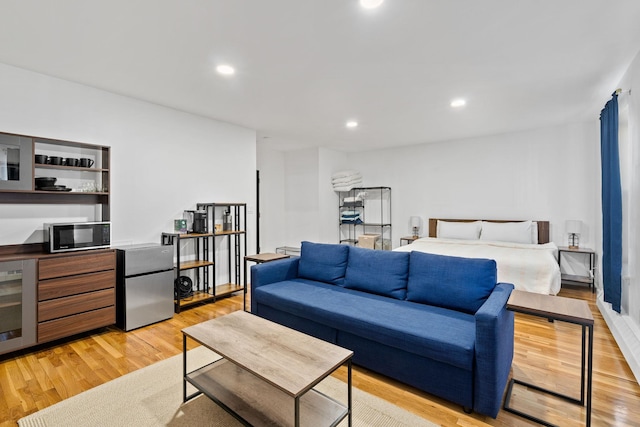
<point x="17" y="304"/>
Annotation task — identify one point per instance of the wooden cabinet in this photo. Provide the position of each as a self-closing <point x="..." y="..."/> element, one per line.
<point x="76" y="293"/>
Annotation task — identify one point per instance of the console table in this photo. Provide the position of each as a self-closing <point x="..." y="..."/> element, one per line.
<point x="566" y="310"/>
<point x="258" y="259"/>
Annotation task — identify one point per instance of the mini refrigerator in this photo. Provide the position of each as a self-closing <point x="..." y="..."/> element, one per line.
<point x="144" y="285"/>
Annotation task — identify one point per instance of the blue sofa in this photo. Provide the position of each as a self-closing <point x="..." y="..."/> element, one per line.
<point x="435" y="322"/>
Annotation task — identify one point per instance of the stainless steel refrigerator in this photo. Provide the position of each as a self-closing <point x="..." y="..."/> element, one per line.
<point x="144" y="286"/>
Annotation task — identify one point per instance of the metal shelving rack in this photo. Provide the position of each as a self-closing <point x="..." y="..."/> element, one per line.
<point x="236" y="240"/>
<point x="348" y="232"/>
<point x="202" y="290"/>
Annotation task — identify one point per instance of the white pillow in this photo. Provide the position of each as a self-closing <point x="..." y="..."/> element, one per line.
<point x="513" y="232"/>
<point x="458" y="230"/>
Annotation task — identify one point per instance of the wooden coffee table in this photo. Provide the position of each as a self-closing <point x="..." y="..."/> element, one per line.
<point x="267" y="372"/>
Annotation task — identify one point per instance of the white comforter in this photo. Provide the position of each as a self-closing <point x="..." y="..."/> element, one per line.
<point x="531" y="268"/>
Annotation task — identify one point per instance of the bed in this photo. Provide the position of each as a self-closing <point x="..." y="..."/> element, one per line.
<point x="521" y="249"/>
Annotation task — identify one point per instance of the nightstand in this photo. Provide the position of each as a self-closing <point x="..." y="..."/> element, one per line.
<point x="572" y="279"/>
<point x="408" y="239"/>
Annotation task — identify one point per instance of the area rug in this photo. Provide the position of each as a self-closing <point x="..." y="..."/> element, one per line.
<point x="152" y="396"/>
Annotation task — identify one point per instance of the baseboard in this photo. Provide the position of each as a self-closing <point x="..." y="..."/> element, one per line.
<point x="626" y="334"/>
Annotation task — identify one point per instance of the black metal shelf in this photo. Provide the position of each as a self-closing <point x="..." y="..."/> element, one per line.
<point x="349" y="231"/>
<point x="202" y="291"/>
<point x="236" y="240"/>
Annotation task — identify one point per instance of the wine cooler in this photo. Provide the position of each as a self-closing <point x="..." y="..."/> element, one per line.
<point x="17" y="304"/>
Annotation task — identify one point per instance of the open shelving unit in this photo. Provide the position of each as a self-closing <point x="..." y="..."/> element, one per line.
<point x="200" y="259"/>
<point x="74" y="177"/>
<point x="374" y="215"/>
<point x="201" y="266"/>
<point x="234" y="239"/>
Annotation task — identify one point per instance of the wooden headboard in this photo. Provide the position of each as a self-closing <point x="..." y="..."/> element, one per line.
<point x="543" y="226"/>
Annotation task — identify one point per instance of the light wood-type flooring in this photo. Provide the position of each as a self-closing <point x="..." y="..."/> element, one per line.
<point x="546" y="353"/>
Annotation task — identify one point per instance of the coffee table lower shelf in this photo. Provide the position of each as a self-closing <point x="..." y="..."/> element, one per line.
<point x="253" y="401"/>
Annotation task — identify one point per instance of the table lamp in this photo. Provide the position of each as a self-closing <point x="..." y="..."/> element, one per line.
<point x="415" y="226"/>
<point x="573" y="227"/>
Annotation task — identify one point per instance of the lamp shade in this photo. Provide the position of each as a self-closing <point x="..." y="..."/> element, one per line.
<point x="573" y="226"/>
<point x="415" y="221"/>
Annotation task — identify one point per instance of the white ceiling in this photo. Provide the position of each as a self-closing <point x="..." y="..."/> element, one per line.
<point x="304" y="67"/>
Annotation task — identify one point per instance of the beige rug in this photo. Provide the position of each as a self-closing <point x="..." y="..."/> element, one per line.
<point x="152" y="396"/>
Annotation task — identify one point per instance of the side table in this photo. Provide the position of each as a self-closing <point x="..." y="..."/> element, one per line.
<point x="572" y="278"/>
<point x="258" y="259"/>
<point x="408" y="239"/>
<point x="566" y="310"/>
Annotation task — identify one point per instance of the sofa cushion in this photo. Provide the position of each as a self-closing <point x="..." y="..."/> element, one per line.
<point x="323" y="262"/>
<point x="379" y="272"/>
<point x="434" y="332"/>
<point x="450" y="282"/>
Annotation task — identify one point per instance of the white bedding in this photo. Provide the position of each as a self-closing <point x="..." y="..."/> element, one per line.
<point x="531" y="268"/>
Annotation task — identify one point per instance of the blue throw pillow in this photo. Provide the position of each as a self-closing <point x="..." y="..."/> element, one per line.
<point x="323" y="262"/>
<point x="378" y="272"/>
<point x="462" y="284"/>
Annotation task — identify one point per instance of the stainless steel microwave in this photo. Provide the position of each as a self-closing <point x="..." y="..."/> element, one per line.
<point x="77" y="236"/>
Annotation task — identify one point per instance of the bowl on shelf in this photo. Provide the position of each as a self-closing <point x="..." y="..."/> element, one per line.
<point x="45" y="181"/>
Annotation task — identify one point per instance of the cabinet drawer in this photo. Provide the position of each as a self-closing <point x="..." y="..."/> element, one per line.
<point x="75" y="324"/>
<point x="66" y="286"/>
<point x="67" y="306"/>
<point x="69" y="265"/>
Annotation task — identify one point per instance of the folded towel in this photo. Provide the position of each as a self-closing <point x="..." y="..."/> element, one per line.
<point x="343" y="174"/>
<point x="344" y="188"/>
<point x="346" y="179"/>
<point x="352" y="221"/>
<point x="350" y="214"/>
<point x="349" y="184"/>
<point x="358" y="198"/>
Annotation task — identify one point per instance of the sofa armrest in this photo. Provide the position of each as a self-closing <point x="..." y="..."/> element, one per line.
<point x="272" y="272"/>
<point x="494" y="350"/>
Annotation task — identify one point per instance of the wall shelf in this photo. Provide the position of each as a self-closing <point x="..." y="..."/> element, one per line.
<point x="90" y="185"/>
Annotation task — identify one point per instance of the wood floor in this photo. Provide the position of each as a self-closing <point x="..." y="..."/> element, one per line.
<point x="545" y="353"/>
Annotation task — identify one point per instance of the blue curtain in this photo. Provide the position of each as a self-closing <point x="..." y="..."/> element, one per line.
<point x="611" y="204"/>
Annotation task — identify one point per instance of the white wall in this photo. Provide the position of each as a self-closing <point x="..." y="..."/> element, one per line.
<point x="330" y="161"/>
<point x="301" y="204"/>
<point x="163" y="161"/>
<point x="625" y="326"/>
<point x="544" y="174"/>
<point x="297" y="199"/>
<point x="271" y="164"/>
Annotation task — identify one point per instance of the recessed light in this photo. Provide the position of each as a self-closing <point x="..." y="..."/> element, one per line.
<point x="226" y="70"/>
<point x="370" y="4"/>
<point x="352" y="124"/>
<point x="457" y="103"/>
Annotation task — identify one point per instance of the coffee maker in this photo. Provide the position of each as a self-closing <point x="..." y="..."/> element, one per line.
<point x="196" y="221"/>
